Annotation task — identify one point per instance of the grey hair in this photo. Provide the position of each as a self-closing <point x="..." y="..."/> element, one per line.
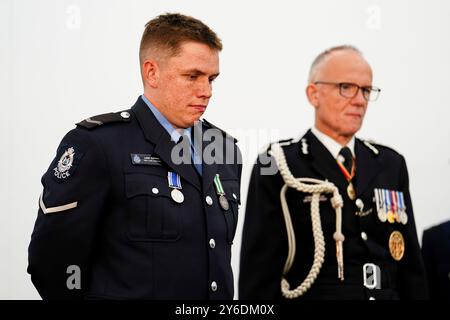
<point x="322" y="56"/>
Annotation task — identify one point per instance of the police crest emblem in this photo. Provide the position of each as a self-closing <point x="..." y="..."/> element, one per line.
<point x="61" y="171"/>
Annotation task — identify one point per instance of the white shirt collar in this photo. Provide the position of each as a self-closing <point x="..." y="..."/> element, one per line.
<point x="332" y="146"/>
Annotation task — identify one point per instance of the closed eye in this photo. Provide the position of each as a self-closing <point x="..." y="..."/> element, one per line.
<point x="192" y="77"/>
<point x="211" y="80"/>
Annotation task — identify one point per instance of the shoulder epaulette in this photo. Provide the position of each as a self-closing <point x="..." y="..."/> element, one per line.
<point x="377" y="147"/>
<point x="282" y="143"/>
<point x="106" y="118"/>
<point x="370" y="144"/>
<point x="285" y="142"/>
<point x="210" y="125"/>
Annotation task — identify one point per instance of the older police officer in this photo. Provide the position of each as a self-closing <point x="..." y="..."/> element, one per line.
<point x="121" y="217"/>
<point x="336" y="221"/>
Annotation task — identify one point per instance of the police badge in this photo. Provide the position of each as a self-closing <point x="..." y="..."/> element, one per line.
<point x="61" y="171"/>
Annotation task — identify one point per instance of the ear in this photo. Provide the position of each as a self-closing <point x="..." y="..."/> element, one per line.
<point x="312" y="94"/>
<point x="150" y="73"/>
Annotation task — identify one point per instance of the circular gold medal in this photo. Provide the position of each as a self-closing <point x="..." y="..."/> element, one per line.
<point x="390" y="217"/>
<point x="351" y="191"/>
<point x="396" y="245"/>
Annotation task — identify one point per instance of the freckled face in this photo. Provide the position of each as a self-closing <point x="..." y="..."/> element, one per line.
<point x="184" y="83"/>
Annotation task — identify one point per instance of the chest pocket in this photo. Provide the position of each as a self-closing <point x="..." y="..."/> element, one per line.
<point x="232" y="194"/>
<point x="152" y="215"/>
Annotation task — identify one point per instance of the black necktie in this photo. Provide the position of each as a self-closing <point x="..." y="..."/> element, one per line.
<point x="345" y="157"/>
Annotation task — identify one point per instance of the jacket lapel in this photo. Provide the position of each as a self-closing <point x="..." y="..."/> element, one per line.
<point x="209" y="169"/>
<point x="367" y="167"/>
<point x="157" y="135"/>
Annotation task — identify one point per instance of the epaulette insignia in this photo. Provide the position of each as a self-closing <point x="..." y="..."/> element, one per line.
<point x="304" y="146"/>
<point x="285" y="142"/>
<point x="371" y="147"/>
<point x="281" y="143"/>
<point x="99" y="120"/>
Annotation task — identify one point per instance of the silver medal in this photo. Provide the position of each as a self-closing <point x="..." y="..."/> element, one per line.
<point x="224" y="202"/>
<point x="177" y="196"/>
<point x="403" y="217"/>
<point x="381" y="212"/>
<point x="382" y="216"/>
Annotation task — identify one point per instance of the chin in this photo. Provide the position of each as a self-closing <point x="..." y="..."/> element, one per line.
<point x="196" y="116"/>
<point x="351" y="133"/>
<point x="353" y="129"/>
<point x="191" y="122"/>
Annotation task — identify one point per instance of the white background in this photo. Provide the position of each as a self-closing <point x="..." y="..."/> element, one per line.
<point x="62" y="61"/>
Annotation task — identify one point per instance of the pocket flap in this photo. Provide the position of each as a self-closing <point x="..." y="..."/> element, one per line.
<point x="137" y="184"/>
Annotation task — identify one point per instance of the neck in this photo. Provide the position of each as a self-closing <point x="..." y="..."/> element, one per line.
<point x="343" y="140"/>
<point x="155" y="103"/>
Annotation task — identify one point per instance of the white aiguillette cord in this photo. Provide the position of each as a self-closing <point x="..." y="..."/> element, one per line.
<point x="316" y="187"/>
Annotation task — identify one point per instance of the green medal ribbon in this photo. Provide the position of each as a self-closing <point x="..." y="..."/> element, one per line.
<point x="218" y="185"/>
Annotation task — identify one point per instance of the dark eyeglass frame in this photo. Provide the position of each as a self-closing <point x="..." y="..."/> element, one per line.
<point x="369" y="93"/>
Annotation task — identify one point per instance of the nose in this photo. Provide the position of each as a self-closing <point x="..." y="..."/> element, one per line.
<point x="205" y="89"/>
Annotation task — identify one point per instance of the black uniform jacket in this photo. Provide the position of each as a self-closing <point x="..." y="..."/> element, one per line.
<point x="264" y="240"/>
<point x="436" y="256"/>
<point x="109" y="211"/>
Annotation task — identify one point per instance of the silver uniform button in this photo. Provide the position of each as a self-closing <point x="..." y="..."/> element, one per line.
<point x="234" y="196"/>
<point x="364" y="235"/>
<point x="372" y="298"/>
<point x="214" y="286"/>
<point x="125" y="115"/>
<point x="212" y="243"/>
<point x="155" y="190"/>
<point x="209" y="200"/>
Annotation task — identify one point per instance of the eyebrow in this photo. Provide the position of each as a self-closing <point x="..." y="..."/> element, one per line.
<point x="347" y="82"/>
<point x="201" y="73"/>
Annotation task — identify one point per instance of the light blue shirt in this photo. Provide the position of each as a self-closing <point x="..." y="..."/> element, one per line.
<point x="175" y="134"/>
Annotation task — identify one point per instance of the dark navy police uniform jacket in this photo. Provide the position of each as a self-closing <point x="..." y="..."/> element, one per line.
<point x="112" y="216"/>
<point x="436" y="256"/>
<point x="367" y="239"/>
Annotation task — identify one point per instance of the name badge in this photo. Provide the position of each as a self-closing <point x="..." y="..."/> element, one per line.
<point x="145" y="160"/>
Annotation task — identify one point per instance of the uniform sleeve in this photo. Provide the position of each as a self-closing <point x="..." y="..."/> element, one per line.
<point x="411" y="274"/>
<point x="263" y="250"/>
<point x="75" y="188"/>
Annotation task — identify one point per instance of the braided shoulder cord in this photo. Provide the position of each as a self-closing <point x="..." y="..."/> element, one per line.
<point x="316" y="188"/>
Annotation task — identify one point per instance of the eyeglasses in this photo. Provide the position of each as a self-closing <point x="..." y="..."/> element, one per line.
<point x="350" y="90"/>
